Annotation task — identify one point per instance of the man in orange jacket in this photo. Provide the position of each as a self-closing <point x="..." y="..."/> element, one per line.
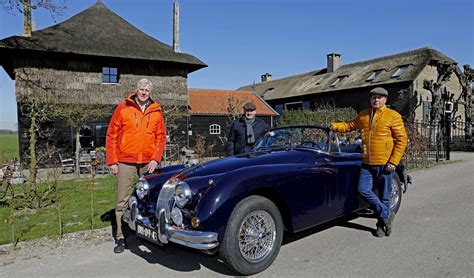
<point x="383" y="141"/>
<point x="136" y="139"/>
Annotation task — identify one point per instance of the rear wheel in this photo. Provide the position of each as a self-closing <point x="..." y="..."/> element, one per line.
<point x="253" y="236"/>
<point x="396" y="195"/>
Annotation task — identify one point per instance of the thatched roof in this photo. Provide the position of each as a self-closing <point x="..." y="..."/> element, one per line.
<point x="98" y="31"/>
<point x="356" y="75"/>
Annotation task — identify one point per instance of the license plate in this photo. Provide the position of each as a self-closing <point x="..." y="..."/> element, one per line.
<point x="147" y="233"/>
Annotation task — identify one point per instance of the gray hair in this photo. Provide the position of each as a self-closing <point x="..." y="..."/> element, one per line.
<point x="145" y="82"/>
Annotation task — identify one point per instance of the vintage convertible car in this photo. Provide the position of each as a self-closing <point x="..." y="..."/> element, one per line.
<point x="297" y="177"/>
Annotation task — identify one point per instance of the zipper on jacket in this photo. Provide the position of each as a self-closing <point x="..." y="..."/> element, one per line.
<point x="136" y="120"/>
<point x="372" y="115"/>
<point x="147" y="121"/>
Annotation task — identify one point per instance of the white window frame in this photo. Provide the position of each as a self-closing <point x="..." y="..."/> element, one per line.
<point x="214" y="129"/>
<point x="338" y="80"/>
<point x="400" y="70"/>
<point x="293" y="103"/>
<point x="374" y="75"/>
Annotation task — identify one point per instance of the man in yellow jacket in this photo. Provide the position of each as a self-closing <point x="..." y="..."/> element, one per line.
<point x="383" y="141"/>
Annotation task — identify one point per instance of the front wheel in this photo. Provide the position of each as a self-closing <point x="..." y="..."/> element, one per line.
<point x="253" y="236"/>
<point x="396" y="195"/>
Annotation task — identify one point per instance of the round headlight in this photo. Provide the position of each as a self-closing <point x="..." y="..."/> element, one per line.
<point x="182" y="194"/>
<point x="142" y="188"/>
<point x="177" y="216"/>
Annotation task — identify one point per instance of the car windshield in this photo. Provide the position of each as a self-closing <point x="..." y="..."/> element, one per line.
<point x="295" y="137"/>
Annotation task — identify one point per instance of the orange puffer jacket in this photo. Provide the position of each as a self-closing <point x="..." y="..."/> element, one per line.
<point x="133" y="136"/>
<point x="383" y="135"/>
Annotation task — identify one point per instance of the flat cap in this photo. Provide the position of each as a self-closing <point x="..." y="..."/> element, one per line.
<point x="250" y="106"/>
<point x="378" y="91"/>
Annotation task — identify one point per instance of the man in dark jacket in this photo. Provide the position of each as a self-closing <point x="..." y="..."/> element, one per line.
<point x="245" y="131"/>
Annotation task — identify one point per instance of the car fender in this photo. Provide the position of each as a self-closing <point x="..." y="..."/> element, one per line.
<point x="219" y="199"/>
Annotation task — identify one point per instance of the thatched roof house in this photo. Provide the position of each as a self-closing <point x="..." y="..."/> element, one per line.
<point x="94" y="57"/>
<point x="96" y="31"/>
<point x="348" y="85"/>
<point x="84" y="44"/>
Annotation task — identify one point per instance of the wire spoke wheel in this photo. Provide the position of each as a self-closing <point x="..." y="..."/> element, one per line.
<point x="395" y="195"/>
<point x="257" y="236"/>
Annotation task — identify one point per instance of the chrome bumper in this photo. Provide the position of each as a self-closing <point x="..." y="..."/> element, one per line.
<point x="166" y="232"/>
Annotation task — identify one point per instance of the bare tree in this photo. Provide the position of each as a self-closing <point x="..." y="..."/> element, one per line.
<point x="55" y="7"/>
<point x="173" y="114"/>
<point x="77" y="113"/>
<point x="38" y="113"/>
<point x="439" y="93"/>
<point x="465" y="98"/>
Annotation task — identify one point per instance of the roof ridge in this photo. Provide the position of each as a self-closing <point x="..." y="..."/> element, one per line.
<point x="348" y="65"/>
<point x="222" y="90"/>
<point x="390" y="56"/>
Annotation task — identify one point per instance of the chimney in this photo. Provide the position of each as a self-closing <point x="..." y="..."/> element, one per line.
<point x="266" y="77"/>
<point x="27" y="18"/>
<point x="334" y="61"/>
<point x="176" y="26"/>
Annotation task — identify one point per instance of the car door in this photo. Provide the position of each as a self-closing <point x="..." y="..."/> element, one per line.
<point x="314" y="196"/>
<point x="347" y="170"/>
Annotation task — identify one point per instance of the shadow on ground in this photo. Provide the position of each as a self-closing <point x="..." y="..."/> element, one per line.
<point x="183" y="259"/>
<point x="176" y="257"/>
<point x="342" y="222"/>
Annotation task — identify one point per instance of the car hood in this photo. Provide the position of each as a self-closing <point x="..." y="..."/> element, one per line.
<point x="228" y="164"/>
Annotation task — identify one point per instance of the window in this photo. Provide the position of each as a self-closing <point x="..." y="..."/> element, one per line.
<point x="269" y="90"/>
<point x="279" y="108"/>
<point x="109" y="75"/>
<point x="400" y="70"/>
<point x="374" y="74"/>
<point x="426" y="111"/>
<point x="100" y="133"/>
<point x="338" y="79"/>
<point x="306" y="105"/>
<point x="214" y="129"/>
<point x="294" y="106"/>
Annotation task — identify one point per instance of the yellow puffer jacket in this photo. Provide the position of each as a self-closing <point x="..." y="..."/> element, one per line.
<point x="383" y="135"/>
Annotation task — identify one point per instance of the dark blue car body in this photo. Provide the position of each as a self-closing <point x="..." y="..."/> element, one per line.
<point x="310" y="184"/>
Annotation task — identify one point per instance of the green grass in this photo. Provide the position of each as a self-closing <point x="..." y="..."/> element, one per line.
<point x="9" y="146"/>
<point x="75" y="203"/>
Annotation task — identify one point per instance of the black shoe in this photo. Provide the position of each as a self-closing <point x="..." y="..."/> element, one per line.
<point x="379" y="232"/>
<point x="119" y="246"/>
<point x="389" y="224"/>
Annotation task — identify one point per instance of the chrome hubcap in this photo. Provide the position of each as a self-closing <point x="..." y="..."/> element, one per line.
<point x="257" y="236"/>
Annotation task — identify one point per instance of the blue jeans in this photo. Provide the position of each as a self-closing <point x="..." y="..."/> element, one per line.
<point x="374" y="176"/>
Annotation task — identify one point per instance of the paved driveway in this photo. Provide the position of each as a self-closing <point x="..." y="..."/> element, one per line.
<point x="433" y="237"/>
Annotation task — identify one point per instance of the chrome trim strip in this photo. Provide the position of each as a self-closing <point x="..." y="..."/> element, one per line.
<point x="163" y="207"/>
<point x="161" y="225"/>
<point x="194" y="239"/>
<point x="130" y="214"/>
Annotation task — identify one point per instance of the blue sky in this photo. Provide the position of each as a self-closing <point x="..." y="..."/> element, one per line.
<point x="243" y="39"/>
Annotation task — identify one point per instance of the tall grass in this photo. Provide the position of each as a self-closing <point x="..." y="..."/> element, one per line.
<point x="71" y="209"/>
